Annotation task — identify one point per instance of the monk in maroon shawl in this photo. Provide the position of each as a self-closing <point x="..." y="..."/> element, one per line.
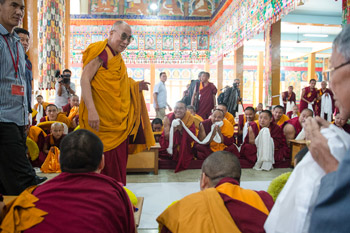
<point x="293" y="127"/>
<point x="73" y="101"/>
<point x="221" y="205"/>
<point x="225" y="132"/>
<point x="207" y="92"/>
<point x="323" y="91"/>
<point x="308" y="96"/>
<point x="288" y="96"/>
<point x="182" y="149"/>
<point x="248" y="153"/>
<point x="248" y="116"/>
<point x="341" y="122"/>
<point x="80" y="199"/>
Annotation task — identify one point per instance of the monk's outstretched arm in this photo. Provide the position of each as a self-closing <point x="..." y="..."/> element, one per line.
<point x="88" y="74"/>
<point x="251" y="136"/>
<point x="166" y="128"/>
<point x="201" y="132"/>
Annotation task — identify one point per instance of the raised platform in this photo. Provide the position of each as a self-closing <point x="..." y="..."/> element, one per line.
<point x="145" y="161"/>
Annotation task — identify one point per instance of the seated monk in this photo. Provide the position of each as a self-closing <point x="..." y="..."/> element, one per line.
<point x="228" y="116"/>
<point x="221" y="205"/>
<point x="341" y="122"/>
<point x="40" y="109"/>
<point x="157" y="128"/>
<point x="182" y="151"/>
<point x="265" y="145"/>
<point x="259" y="108"/>
<point x="294" y="113"/>
<point x="278" y="115"/>
<point x="53" y="139"/>
<point x="293" y="127"/>
<point x="243" y="122"/>
<point x="197" y="118"/>
<point x="73" y="102"/>
<point x="225" y="132"/>
<point x="52" y="114"/>
<point x="77" y="200"/>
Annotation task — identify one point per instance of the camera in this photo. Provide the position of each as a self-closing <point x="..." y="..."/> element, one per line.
<point x="65" y="77"/>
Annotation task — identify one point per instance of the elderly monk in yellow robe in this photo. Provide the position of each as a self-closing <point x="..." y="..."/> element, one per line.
<point x="112" y="104"/>
<point x="228" y="116"/>
<point x="279" y="116"/>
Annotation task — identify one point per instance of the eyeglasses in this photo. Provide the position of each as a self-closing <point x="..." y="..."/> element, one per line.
<point x="338" y="67"/>
<point x="125" y="36"/>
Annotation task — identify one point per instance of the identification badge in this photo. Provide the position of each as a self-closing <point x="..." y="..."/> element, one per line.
<point x="17" y="90"/>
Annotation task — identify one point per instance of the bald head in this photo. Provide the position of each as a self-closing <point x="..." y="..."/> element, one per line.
<point x="120" y="36"/>
<point x="219" y="165"/>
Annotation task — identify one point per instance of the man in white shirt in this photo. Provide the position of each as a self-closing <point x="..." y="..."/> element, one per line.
<point x="64" y="89"/>
<point x="160" y="97"/>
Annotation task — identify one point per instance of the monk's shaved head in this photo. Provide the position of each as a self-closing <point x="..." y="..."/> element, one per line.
<point x="57" y="125"/>
<point x="221" y="164"/>
<point x="117" y="24"/>
<point x="81" y="151"/>
<point x="308" y="112"/>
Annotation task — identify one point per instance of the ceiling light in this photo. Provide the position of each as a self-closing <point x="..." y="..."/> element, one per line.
<point x="154" y="6"/>
<point x="315" y="35"/>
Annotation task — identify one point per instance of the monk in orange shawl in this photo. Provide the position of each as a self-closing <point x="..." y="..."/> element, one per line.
<point x="72" y="109"/>
<point x="279" y="116"/>
<point x="228" y="116"/>
<point x="112" y="104"/>
<point x="197" y="118"/>
<point x="221" y="205"/>
<point x="52" y="114"/>
<point x="225" y="132"/>
<point x="182" y="141"/>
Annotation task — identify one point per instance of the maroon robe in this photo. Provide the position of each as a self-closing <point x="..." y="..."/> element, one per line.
<point x="287" y="98"/>
<point x="319" y="102"/>
<point x="182" y="151"/>
<point x="240" y="125"/>
<point x="295" y="123"/>
<point x="206" y="100"/>
<point x="246" y="217"/>
<point x="66" y="109"/>
<point x="83" y="202"/>
<point x="41" y="158"/>
<point x="203" y="151"/>
<point x="346" y="127"/>
<point x="248" y="154"/>
<point x="309" y="96"/>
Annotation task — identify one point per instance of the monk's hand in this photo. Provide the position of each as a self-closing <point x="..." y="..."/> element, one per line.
<point x="318" y="146"/>
<point x="94" y="119"/>
<point x="143" y="86"/>
<point x="322" y="122"/>
<point x="178" y="128"/>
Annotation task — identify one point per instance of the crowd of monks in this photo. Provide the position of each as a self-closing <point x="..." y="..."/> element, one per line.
<point x="247" y="138"/>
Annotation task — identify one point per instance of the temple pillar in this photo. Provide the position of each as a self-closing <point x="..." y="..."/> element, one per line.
<point x="238" y="67"/>
<point x="153" y="79"/>
<point x="220" y="74"/>
<point x="311" y="70"/>
<point x="30" y="23"/>
<point x="260" y="70"/>
<point x="272" y="63"/>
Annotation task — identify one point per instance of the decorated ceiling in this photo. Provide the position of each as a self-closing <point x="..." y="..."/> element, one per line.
<point x="194" y="8"/>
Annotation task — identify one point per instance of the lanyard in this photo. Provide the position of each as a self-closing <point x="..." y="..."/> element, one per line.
<point x="15" y="65"/>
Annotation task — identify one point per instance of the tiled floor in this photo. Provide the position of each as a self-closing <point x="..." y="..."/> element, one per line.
<point x="160" y="190"/>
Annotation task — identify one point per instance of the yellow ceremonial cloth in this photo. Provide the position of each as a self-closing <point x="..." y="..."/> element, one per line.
<point x="247" y="196"/>
<point x="256" y="117"/>
<point x="34" y="132"/>
<point x="202" y="212"/>
<point x="52" y="163"/>
<point x="118" y="101"/>
<point x="283" y="119"/>
<point x="188" y="119"/>
<point x="33" y="149"/>
<point x="21" y="213"/>
<point x="227" y="131"/>
<point x="73" y="112"/>
<point x="230" y="118"/>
